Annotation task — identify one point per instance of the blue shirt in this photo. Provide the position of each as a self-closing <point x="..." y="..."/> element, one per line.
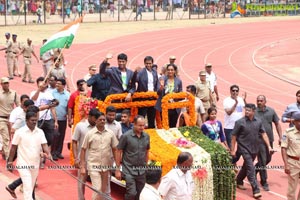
<point x="290" y="111"/>
<point x="62" y="108"/>
<point x="126" y="128"/>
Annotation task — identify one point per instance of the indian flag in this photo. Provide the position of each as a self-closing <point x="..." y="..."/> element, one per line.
<point x="62" y="39"/>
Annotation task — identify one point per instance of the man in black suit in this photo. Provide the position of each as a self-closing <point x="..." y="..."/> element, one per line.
<point x="120" y="77"/>
<point x="147" y="80"/>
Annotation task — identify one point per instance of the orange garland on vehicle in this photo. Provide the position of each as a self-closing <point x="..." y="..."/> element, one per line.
<point x="166" y="105"/>
<point x="134" y="105"/>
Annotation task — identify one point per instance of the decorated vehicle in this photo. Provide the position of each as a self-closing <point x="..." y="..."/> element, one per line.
<point x="212" y="170"/>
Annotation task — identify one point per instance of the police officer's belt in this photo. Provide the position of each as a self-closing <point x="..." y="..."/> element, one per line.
<point x="294" y="157"/>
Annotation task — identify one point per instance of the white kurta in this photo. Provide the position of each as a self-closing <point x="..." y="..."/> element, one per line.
<point x="177" y="185"/>
<point x="28" y="161"/>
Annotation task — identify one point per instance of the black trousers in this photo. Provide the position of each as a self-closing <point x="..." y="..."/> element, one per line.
<point x="173" y="117"/>
<point x="264" y="158"/>
<point x="48" y="127"/>
<point x="150" y="112"/>
<point x="17" y="183"/>
<point x="58" y="139"/>
<point x="249" y="171"/>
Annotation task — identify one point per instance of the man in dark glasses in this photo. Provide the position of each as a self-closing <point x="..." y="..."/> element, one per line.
<point x="233" y="106"/>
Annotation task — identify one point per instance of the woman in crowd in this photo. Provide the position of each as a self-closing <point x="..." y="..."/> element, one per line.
<point x="169" y="84"/>
<point x="212" y="128"/>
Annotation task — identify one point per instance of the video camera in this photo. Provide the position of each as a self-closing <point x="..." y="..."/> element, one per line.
<point x="53" y="103"/>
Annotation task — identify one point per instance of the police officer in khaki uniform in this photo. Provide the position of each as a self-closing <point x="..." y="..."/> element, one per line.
<point x="15" y="48"/>
<point x="8" y="55"/>
<point x="27" y="51"/>
<point x="8" y="98"/>
<point x="290" y="150"/>
<point x="203" y="90"/>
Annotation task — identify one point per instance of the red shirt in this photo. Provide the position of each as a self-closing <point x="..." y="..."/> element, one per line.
<point x="71" y="102"/>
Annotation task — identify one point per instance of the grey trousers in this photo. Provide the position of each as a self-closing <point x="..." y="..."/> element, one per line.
<point x="134" y="186"/>
<point x="249" y="171"/>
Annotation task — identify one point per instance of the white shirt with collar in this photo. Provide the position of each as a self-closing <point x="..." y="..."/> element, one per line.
<point x="44" y="98"/>
<point x="150" y="193"/>
<point x="116" y="127"/>
<point x="29" y="146"/>
<point x="15" y="113"/>
<point x="176" y="185"/>
<point x="212" y="79"/>
<point x="150" y="81"/>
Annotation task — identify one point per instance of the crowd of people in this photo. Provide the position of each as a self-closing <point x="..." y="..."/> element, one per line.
<point x="36" y="126"/>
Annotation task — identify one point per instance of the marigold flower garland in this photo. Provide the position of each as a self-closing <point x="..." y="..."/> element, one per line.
<point x="81" y="109"/>
<point x="162" y="152"/>
<point x="166" y="105"/>
<point x="134" y="105"/>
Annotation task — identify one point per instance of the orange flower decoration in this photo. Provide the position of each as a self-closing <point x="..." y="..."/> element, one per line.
<point x="166" y="105"/>
<point x="161" y="151"/>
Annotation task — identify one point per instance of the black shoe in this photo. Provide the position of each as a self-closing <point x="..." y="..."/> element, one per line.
<point x="266" y="187"/>
<point x="23" y="80"/>
<point x="54" y="157"/>
<point x="10" y="78"/>
<point x="60" y="156"/>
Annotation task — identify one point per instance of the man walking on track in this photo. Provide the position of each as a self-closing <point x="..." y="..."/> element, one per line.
<point x="29" y="140"/>
<point x="27" y="51"/>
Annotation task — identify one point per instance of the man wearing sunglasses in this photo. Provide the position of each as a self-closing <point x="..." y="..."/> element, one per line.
<point x="233" y="106"/>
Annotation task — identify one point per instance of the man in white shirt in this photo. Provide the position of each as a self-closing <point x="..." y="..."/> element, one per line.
<point x="47" y="118"/>
<point x="233" y="107"/>
<point x="29" y="140"/>
<point x="18" y="110"/>
<point x="150" y="190"/>
<point x="81" y="129"/>
<point x="212" y="79"/>
<point x="147" y="80"/>
<point x="178" y="183"/>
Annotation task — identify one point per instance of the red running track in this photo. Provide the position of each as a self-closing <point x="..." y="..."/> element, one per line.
<point x="234" y="50"/>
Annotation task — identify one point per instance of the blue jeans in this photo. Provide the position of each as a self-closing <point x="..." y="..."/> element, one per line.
<point x="228" y="136"/>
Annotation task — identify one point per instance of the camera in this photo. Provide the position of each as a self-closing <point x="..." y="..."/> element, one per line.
<point x="53" y="103"/>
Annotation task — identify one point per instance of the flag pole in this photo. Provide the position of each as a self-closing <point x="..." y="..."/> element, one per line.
<point x="53" y="65"/>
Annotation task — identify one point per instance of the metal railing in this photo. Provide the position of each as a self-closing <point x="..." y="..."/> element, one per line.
<point x="25" y="12"/>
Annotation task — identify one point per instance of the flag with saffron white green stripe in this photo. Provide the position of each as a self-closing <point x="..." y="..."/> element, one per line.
<point x="63" y="38"/>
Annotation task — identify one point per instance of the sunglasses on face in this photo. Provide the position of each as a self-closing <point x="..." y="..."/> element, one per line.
<point x="234" y="90"/>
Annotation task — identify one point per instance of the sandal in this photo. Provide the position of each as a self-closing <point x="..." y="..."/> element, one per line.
<point x="11" y="192"/>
